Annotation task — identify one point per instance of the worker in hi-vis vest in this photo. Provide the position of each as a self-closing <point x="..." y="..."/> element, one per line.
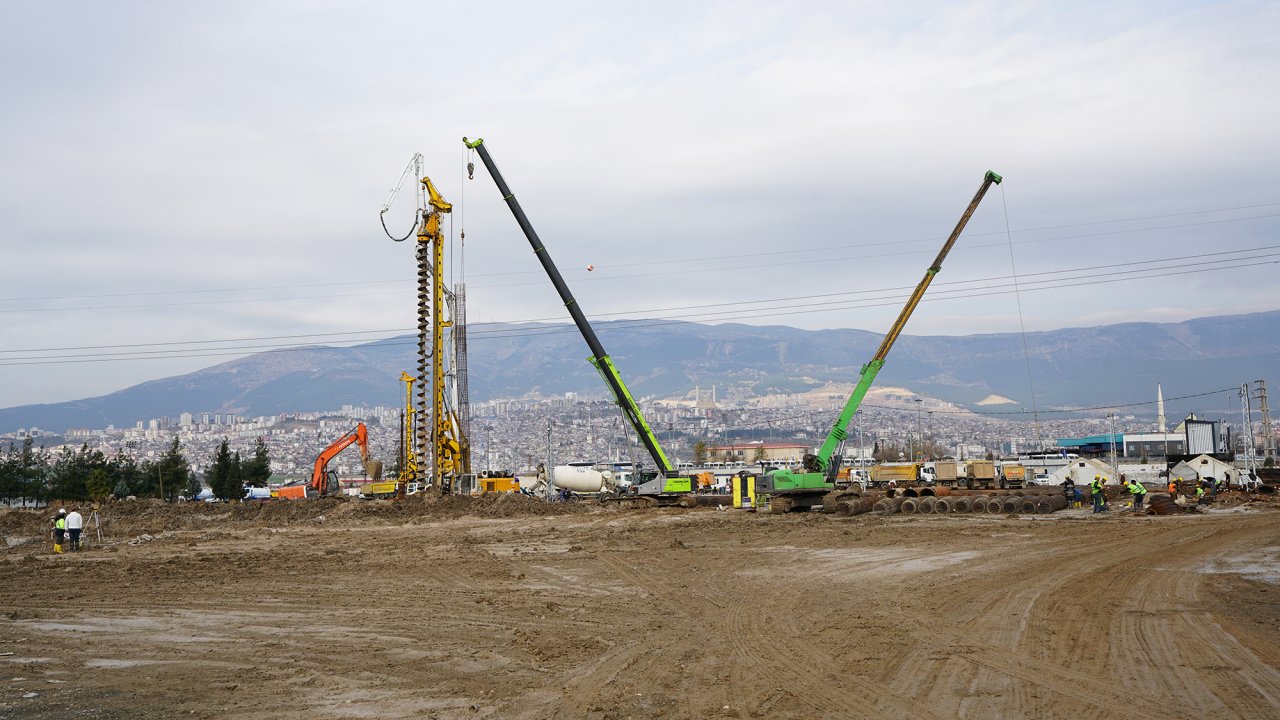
<point x="59" y="529"/>
<point x="1095" y="491"/>
<point x="1139" y="494"/>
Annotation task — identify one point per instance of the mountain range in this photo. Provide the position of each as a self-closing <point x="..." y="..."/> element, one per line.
<point x="1075" y="367"/>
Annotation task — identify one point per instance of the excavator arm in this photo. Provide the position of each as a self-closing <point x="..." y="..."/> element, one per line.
<point x="359" y="435"/>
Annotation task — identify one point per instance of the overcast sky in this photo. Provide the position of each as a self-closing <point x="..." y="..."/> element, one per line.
<point x="177" y="173"/>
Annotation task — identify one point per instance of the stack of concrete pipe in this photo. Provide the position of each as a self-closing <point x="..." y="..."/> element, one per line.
<point x="889" y="504"/>
<point x="942" y="500"/>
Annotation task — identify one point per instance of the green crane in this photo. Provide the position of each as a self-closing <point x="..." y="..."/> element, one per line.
<point x="783" y="490"/>
<point x="669" y="486"/>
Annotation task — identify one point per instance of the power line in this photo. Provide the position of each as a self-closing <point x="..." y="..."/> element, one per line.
<point x="725" y="315"/>
<point x="716" y="258"/>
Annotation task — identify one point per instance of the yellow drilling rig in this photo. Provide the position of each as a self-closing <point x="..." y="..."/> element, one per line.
<point x="435" y="431"/>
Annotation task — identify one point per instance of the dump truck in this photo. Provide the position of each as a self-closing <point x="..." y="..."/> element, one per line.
<point x="497" y="484"/>
<point x="946" y="472"/>
<point x="980" y="474"/>
<point x="381" y="489"/>
<point x="903" y="473"/>
<point x="1013" y="476"/>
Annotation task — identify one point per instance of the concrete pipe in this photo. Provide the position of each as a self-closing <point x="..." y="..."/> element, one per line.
<point x="910" y="492"/>
<point x="926" y="505"/>
<point x="1050" y="503"/>
<point x="889" y="505"/>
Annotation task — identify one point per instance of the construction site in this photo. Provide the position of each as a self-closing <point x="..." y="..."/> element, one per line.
<point x="793" y="590"/>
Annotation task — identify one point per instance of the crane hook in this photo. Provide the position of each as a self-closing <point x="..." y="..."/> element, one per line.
<point x="471" y="171"/>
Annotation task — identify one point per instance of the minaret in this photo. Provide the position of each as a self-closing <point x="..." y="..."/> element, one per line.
<point x="1160" y="424"/>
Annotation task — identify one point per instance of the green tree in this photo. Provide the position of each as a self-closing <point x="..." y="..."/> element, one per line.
<point x="257" y="469"/>
<point x="32" y="467"/>
<point x="124" y="469"/>
<point x="10" y="478"/>
<point x="759" y="455"/>
<point x="224" y="476"/>
<point x="175" y="470"/>
<point x="700" y="453"/>
<point x="193" y="486"/>
<point x="121" y="490"/>
<point x="69" y="476"/>
<point x="98" y="483"/>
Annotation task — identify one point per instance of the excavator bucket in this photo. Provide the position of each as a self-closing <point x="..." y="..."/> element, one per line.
<point x="374" y="469"/>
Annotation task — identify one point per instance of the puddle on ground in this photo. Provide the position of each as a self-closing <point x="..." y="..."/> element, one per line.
<point x="1258" y="564"/>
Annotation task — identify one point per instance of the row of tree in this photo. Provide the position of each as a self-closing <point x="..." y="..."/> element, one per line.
<point x="35" y="475"/>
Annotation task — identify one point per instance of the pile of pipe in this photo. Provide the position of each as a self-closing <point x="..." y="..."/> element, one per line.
<point x="1163" y="505"/>
<point x="858" y="505"/>
<point x="942" y="500"/>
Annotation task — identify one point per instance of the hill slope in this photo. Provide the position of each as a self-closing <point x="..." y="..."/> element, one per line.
<point x="1076" y="367"/>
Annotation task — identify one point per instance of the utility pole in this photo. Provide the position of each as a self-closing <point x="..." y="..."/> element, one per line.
<point x="550" y="474"/>
<point x="1246" y="419"/>
<point x="1268" y="438"/>
<point x="920" y="435"/>
<point x="1111" y="418"/>
<point x="488" y="449"/>
<point x="931" y="440"/>
<point x="862" y="446"/>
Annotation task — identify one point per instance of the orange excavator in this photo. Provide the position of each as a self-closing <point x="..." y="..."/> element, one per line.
<point x="326" y="483"/>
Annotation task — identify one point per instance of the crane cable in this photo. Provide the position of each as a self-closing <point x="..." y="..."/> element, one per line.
<point x="1022" y="326"/>
<point x="414" y="163"/>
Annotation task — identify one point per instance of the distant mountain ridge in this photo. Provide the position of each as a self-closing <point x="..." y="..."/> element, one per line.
<point x="1076" y="367"/>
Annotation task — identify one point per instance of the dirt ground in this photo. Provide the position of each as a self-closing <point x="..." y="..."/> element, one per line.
<point x="508" y="608"/>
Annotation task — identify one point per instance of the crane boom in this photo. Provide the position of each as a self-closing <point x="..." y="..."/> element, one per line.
<point x="785" y="489"/>
<point x="869" y="371"/>
<point x="599" y="358"/>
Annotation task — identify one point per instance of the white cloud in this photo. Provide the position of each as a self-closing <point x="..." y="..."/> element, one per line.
<point x="181" y="148"/>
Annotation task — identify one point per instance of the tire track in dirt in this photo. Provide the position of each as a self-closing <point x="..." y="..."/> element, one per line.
<point x="653" y="661"/>
<point x="1171" y="636"/>
<point x="1111" y="578"/>
<point x="990" y="646"/>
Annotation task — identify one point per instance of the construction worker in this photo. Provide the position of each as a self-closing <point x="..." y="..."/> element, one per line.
<point x="1173" y="488"/>
<point x="75" y="523"/>
<point x="1199" y="493"/>
<point x="1068" y="489"/>
<point x="1095" y="492"/>
<point x="1139" y="494"/>
<point x="59" y="529"/>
